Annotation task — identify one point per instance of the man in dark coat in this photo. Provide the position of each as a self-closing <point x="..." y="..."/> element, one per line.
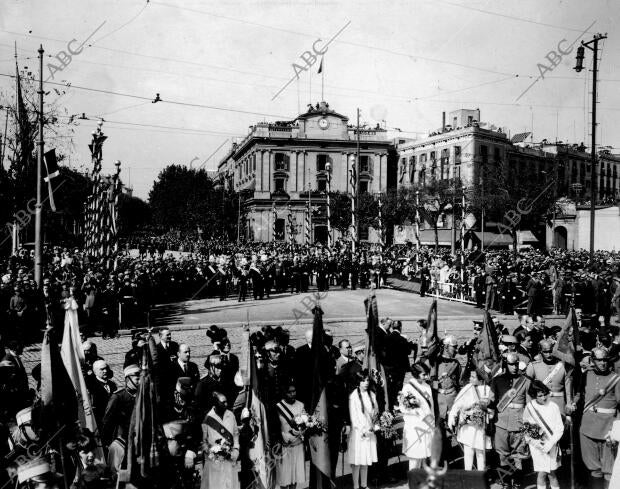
<point x="100" y="388"/>
<point x="184" y="367"/>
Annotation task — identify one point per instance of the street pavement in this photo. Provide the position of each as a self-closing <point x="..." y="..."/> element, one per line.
<point x="343" y="310"/>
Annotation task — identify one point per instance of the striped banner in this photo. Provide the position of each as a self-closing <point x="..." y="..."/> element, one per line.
<point x="381" y="230"/>
<point x="291" y="227"/>
<point x="353" y="181"/>
<point x="307" y="224"/>
<point x="274" y="215"/>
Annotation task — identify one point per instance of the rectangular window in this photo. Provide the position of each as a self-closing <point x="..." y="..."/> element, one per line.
<point x="484" y="154"/>
<point x="281" y="162"/>
<point x="279" y="184"/>
<point x="254" y="162"/>
<point x="321" y="162"/>
<point x="321" y="185"/>
<point x="433" y="158"/>
<point x="364" y="163"/>
<point x="363" y="187"/>
<point x="423" y="158"/>
<point x="496" y="154"/>
<point x="457" y="155"/>
<point x="280" y="224"/>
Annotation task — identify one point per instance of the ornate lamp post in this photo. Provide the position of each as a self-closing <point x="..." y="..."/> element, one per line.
<point x="328" y="167"/>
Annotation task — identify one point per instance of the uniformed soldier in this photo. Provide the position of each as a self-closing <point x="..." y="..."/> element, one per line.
<point x="115" y="427"/>
<point x="601" y="401"/>
<point x="552" y="372"/>
<point x="508" y="401"/>
<point x="446" y="377"/>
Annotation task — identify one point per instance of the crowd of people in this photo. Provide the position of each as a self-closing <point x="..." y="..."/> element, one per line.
<point x="117" y="294"/>
<point x="505" y="417"/>
<point x="478" y="405"/>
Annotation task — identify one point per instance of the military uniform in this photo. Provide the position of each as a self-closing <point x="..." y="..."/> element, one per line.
<point x="508" y="400"/>
<point x="446" y="382"/>
<point x="602" y="399"/>
<point x="555" y="377"/>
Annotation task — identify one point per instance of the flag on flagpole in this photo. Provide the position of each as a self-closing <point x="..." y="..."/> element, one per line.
<point x="145" y="430"/>
<point x="431" y="338"/>
<point x="259" y="453"/>
<point x="487" y="344"/>
<point x="24" y="138"/>
<point x="568" y="340"/>
<point x="59" y="405"/>
<point x="51" y="171"/>
<point x="381" y="239"/>
<point x="320" y="465"/>
<point x="372" y="361"/>
<point x="73" y="359"/>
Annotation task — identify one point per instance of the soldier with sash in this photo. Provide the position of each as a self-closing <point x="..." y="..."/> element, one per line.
<point x="219" y="429"/>
<point x="552" y="372"/>
<point x="601" y="401"/>
<point x="508" y="400"/>
<point x="447" y="377"/>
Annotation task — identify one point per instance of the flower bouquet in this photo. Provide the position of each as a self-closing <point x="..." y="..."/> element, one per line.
<point x="220" y="451"/>
<point x="310" y="425"/>
<point x="384" y="424"/>
<point x="475" y="416"/>
<point x="532" y="431"/>
<point x="408" y="400"/>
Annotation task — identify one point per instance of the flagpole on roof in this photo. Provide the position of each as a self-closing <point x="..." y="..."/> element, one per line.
<point x="38" y="251"/>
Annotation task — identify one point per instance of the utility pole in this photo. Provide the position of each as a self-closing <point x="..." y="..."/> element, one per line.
<point x="417" y="218"/>
<point x="38" y="246"/>
<point x="592" y="46"/>
<point x="482" y="213"/>
<point x="357" y="178"/>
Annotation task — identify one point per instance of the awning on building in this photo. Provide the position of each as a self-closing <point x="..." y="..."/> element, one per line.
<point x="427" y="237"/>
<point x="494" y="239"/>
<point x="526" y="237"/>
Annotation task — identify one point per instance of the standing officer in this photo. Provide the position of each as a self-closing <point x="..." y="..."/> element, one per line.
<point x="602" y="399"/>
<point x="446" y="378"/>
<point x="552" y="372"/>
<point x="508" y="401"/>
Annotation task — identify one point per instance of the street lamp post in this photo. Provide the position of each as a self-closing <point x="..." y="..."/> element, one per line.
<point x="417" y="218"/>
<point x="580" y="54"/>
<point x="328" y="167"/>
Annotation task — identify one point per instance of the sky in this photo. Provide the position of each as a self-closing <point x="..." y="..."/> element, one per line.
<point x="221" y="66"/>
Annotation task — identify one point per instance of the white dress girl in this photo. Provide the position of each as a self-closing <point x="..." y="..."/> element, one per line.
<point x="362" y="439"/>
<point x="545" y="453"/>
<point x="419" y="421"/>
<point x="472" y="437"/>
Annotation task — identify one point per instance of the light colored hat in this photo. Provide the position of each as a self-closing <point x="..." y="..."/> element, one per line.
<point x="131" y="370"/>
<point x="450" y="340"/>
<point x="360" y="347"/>
<point x="36" y="470"/>
<point x="509" y="339"/>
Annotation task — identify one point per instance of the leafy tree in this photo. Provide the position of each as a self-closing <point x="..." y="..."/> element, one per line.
<point x="186" y="199"/>
<point x="515" y="202"/>
<point x="134" y="214"/>
<point x="439" y="198"/>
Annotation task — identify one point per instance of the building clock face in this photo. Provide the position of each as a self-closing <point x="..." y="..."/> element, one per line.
<point x="323" y="123"/>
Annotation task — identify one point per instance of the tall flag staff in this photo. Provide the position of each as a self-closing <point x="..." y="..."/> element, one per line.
<point x="353" y="184"/>
<point x="566" y="350"/>
<point x="38" y="224"/>
<point x="320" y="461"/>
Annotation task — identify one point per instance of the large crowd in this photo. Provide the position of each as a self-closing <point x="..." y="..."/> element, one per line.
<point x="504" y="416"/>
